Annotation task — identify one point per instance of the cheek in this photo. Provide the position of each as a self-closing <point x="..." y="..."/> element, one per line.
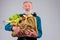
<point x="24" y="8"/>
<point x="30" y="8"/>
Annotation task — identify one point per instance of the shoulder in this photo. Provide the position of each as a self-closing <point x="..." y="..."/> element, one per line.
<point x="38" y="17"/>
<point x="34" y="14"/>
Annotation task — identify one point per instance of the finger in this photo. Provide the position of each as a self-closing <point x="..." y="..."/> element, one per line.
<point x="32" y="30"/>
<point x="29" y="35"/>
<point x="14" y="28"/>
<point x="28" y="30"/>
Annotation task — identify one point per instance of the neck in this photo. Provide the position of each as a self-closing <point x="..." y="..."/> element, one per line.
<point x="27" y="13"/>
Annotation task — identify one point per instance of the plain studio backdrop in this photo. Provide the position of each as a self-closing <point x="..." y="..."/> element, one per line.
<point x="48" y="10"/>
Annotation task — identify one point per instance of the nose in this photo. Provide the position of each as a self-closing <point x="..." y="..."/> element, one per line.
<point x="27" y="7"/>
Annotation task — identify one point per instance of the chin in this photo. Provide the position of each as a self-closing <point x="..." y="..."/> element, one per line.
<point x="27" y="11"/>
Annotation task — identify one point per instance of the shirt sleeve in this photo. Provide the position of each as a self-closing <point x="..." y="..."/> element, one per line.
<point x="8" y="27"/>
<point x="39" y="26"/>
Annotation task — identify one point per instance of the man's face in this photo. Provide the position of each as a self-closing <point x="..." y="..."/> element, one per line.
<point x="27" y="7"/>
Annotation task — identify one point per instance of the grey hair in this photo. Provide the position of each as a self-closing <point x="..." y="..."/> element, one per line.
<point x="27" y="2"/>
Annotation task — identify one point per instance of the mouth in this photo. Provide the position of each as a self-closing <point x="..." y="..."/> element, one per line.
<point x="27" y="9"/>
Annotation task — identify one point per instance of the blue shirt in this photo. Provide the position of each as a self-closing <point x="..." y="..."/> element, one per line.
<point x="8" y="27"/>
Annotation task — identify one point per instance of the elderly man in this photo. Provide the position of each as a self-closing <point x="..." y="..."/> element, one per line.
<point x="27" y="7"/>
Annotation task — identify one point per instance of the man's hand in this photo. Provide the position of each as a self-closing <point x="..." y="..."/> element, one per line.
<point x="17" y="30"/>
<point x="31" y="33"/>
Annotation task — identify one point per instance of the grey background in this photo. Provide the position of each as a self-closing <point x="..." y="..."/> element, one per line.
<point x="48" y="10"/>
